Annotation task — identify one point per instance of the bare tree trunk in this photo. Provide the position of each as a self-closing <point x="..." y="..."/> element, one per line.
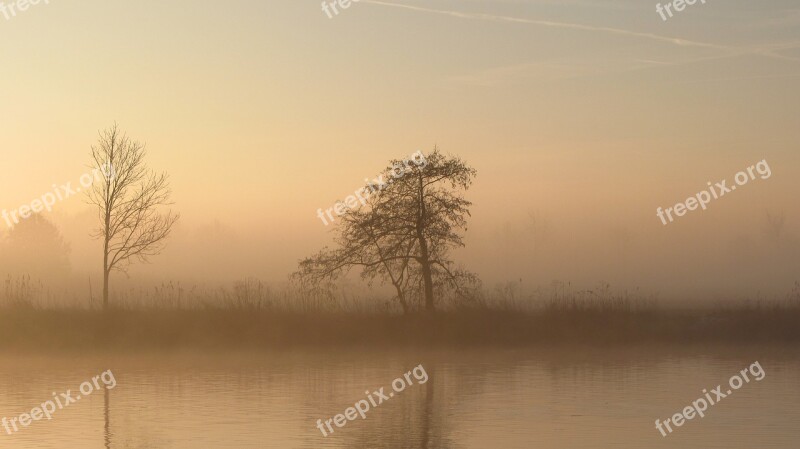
<point x="426" y="274"/>
<point x="105" y="279"/>
<point x="106" y="270"/>
<point x="105" y="290"/>
<point x="424" y="259"/>
<point x="402" y="298"/>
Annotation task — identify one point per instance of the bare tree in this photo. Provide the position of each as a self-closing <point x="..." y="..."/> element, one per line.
<point x="404" y="232"/>
<point x="128" y="197"/>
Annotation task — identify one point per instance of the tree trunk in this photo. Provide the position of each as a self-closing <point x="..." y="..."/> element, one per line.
<point x="106" y="269"/>
<point x="402" y="298"/>
<point x="105" y="289"/>
<point x="424" y="259"/>
<point x="426" y="273"/>
<point x="105" y="276"/>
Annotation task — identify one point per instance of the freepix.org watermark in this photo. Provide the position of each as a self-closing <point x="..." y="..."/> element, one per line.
<point x="48" y="200"/>
<point x="377" y="184"/>
<point x="375" y="398"/>
<point x="11" y="9"/>
<point x="679" y="6"/>
<point x="699" y="406"/>
<point x="59" y="402"/>
<point x="715" y="192"/>
<point x="344" y="4"/>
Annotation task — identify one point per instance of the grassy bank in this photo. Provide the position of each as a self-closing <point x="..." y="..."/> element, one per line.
<point x="61" y="329"/>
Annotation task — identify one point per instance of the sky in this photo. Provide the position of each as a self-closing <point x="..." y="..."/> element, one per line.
<point x="581" y="118"/>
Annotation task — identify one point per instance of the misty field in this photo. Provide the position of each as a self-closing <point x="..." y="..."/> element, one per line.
<point x="252" y="316"/>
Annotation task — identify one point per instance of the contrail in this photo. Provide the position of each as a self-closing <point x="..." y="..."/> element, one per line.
<point x="548" y="23"/>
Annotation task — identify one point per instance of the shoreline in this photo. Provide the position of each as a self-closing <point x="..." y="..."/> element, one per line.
<point x="210" y="329"/>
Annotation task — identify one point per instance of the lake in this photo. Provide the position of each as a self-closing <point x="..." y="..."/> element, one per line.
<point x="478" y="398"/>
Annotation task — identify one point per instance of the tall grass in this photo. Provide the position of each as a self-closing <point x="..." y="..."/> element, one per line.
<point x="253" y="314"/>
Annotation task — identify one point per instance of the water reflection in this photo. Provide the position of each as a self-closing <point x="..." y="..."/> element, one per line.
<point x="475" y="399"/>
<point x="106" y="414"/>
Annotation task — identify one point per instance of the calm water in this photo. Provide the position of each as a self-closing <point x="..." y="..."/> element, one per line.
<point x="473" y="399"/>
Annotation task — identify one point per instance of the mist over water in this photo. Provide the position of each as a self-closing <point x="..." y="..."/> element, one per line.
<point x="710" y="256"/>
<point x="563" y="271"/>
<point x="473" y="400"/>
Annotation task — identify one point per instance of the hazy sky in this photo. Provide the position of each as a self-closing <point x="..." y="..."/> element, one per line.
<point x="581" y="117"/>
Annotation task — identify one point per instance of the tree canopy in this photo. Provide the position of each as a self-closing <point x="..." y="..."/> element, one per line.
<point x="403" y="234"/>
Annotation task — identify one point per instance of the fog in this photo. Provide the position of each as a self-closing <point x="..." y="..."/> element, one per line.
<point x="587" y="231"/>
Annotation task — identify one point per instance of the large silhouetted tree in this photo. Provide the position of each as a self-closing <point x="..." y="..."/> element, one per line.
<point x="128" y="198"/>
<point x="404" y="232"/>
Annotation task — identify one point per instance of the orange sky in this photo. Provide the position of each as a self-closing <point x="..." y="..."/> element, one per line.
<point x="586" y="116"/>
